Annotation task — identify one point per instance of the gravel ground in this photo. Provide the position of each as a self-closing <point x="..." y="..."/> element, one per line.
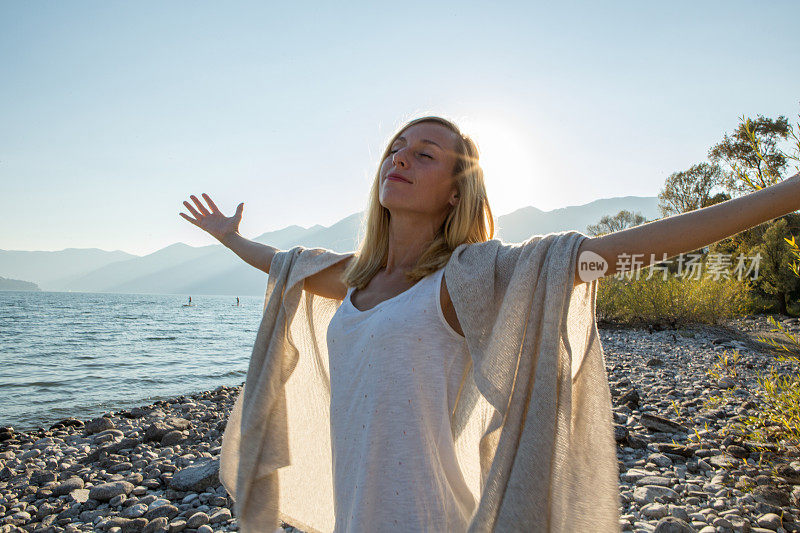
<point x="155" y="468"/>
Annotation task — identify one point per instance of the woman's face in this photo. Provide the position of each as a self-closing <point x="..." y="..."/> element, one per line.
<point x="424" y="155"/>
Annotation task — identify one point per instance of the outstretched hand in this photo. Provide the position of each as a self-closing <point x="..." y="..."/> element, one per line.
<point x="213" y="221"/>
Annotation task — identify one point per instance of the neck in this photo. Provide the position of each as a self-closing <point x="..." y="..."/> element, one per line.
<point x="409" y="237"/>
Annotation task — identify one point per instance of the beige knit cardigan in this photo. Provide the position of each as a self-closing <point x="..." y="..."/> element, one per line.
<point x="532" y="425"/>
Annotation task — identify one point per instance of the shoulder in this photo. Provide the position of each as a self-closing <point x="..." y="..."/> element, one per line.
<point x="324" y="275"/>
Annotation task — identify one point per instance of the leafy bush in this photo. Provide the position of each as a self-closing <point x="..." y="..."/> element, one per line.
<point x="674" y="301"/>
<point x="778" y="417"/>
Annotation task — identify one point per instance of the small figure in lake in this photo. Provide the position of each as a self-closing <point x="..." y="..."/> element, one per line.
<point x="237" y="301"/>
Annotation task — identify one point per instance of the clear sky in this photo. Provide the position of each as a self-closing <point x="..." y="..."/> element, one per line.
<point x="112" y="113"/>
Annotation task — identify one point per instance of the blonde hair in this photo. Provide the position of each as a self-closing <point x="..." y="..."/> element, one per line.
<point x="470" y="221"/>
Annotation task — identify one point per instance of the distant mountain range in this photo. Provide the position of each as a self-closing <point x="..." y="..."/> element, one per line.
<point x="17" y="285"/>
<point x="187" y="270"/>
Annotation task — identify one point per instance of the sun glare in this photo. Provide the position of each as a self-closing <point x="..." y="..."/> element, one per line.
<point x="508" y="159"/>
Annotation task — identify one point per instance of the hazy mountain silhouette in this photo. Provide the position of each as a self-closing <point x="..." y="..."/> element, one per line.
<point x="44" y="267"/>
<point x="521" y="224"/>
<point x="17" y="285"/>
<point x="213" y="269"/>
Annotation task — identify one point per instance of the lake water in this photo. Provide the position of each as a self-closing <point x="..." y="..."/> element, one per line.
<point x="82" y="354"/>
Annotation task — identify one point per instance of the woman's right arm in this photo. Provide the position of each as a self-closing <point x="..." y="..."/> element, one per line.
<point x="252" y="252"/>
<point x="327" y="283"/>
<point x="226" y="230"/>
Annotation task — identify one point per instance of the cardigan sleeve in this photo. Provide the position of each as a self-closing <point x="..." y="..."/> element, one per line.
<point x="537" y="361"/>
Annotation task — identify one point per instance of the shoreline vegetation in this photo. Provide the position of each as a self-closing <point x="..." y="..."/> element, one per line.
<point x="683" y="464"/>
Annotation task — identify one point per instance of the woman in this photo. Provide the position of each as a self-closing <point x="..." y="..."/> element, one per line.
<point x="427" y="200"/>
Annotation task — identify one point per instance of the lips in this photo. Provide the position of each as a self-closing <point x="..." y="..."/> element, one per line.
<point x="397" y="176"/>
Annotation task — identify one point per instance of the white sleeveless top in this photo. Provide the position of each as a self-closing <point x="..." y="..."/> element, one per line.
<point x="395" y="373"/>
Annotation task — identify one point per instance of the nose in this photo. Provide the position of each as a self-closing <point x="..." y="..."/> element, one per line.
<point x="397" y="160"/>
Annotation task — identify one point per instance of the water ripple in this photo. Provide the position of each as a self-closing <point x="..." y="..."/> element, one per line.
<point x="82" y="354"/>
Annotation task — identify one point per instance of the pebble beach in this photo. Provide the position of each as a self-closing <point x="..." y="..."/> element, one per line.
<point x="154" y="468"/>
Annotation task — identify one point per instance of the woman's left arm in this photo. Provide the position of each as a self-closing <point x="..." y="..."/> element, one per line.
<point x="653" y="242"/>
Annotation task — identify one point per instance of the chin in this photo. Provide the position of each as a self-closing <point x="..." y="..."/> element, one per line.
<point x="389" y="203"/>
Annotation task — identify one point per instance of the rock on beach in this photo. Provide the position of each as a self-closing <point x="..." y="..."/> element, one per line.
<point x="156" y="467"/>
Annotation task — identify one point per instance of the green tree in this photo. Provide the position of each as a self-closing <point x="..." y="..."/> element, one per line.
<point x="753" y="159"/>
<point x="752" y="153"/>
<point x="622" y="220"/>
<point x="775" y="276"/>
<point x="691" y="189"/>
<point x="717" y="198"/>
<point x="779" y="394"/>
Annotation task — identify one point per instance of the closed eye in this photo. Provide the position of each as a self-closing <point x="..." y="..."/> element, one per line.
<point x="425" y="155"/>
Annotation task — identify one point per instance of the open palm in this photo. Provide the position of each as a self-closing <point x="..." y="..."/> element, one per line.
<point x="211" y="219"/>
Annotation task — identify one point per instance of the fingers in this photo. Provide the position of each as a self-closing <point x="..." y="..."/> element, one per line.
<point x="214" y="208"/>
<point x="199" y="205"/>
<point x="193" y="221"/>
<point x="192" y="210"/>
<point x="239" y="209"/>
